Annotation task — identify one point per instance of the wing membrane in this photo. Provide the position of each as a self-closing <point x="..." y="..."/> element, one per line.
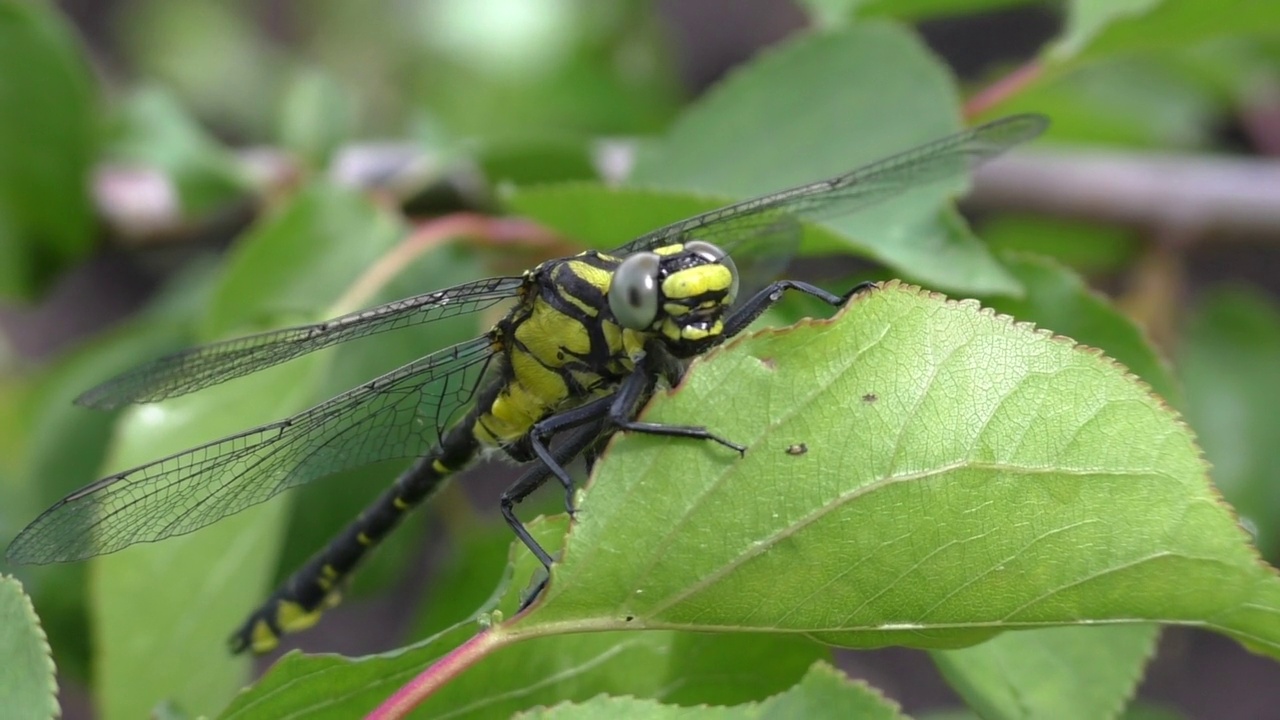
<point x="197" y="368"/>
<point x="853" y="191"/>
<point x="398" y="415"/>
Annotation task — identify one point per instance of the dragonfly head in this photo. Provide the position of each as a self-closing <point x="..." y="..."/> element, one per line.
<point x="680" y="292"/>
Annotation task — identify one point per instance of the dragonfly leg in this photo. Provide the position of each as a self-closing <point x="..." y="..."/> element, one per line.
<point x="755" y="306"/>
<point x="592" y="414"/>
<point x="536" y="476"/>
<point x="635" y="390"/>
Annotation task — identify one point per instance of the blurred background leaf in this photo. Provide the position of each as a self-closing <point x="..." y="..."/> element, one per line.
<point x="48" y="137"/>
<point x="172" y="172"/>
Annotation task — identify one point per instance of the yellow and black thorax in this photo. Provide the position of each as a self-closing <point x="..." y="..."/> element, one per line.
<point x="580" y="323"/>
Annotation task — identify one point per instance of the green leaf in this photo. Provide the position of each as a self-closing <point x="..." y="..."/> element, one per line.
<point x="475" y="565"/>
<point x="964" y="475"/>
<point x="1085" y="247"/>
<point x="1058" y="300"/>
<point x="316" y="117"/>
<point x="154" y="130"/>
<point x="162" y="613"/>
<point x="56" y="424"/>
<point x="677" y="667"/>
<point x="823" y="693"/>
<point x="1111" y="26"/>
<point x="1087" y="19"/>
<point x="540" y="160"/>
<point x="62" y="449"/>
<point x="1146" y="101"/>
<point x="28" y="687"/>
<point x="48" y="125"/>
<point x="1228" y="362"/>
<point x="1067" y="672"/>
<point x="834" y="13"/>
<point x="300" y="259"/>
<point x="685" y="668"/>
<point x="821" y="105"/>
<point x="215" y="57"/>
<point x="605" y="217"/>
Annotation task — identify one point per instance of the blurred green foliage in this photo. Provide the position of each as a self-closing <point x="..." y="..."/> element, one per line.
<point x="518" y="106"/>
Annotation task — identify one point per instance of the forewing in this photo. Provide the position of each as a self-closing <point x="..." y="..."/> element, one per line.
<point x="196" y="368"/>
<point x="950" y="156"/>
<point x="398" y="415"/>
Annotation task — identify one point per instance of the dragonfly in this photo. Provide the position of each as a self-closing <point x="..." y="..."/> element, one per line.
<point x="587" y="340"/>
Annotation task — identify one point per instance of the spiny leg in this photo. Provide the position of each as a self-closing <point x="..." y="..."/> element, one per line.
<point x="572" y="446"/>
<point x="619" y="408"/>
<point x="755" y="306"/>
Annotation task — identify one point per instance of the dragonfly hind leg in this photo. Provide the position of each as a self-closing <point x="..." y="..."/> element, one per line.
<point x="537" y="476"/>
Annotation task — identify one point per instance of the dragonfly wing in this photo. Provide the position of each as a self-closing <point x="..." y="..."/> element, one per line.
<point x="398" y="415"/>
<point x="844" y="194"/>
<point x="197" y="368"/>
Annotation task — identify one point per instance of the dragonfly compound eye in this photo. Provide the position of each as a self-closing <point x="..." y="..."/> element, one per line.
<point x="633" y="294"/>
<point x="714" y="254"/>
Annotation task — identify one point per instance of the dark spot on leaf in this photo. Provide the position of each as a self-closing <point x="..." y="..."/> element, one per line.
<point x="769" y="363"/>
<point x="797" y="449"/>
<point x="870" y="398"/>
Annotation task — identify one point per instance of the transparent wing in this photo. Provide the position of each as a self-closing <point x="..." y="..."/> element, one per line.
<point x="764" y="217"/>
<point x="398" y="415"/>
<point x="196" y="368"/>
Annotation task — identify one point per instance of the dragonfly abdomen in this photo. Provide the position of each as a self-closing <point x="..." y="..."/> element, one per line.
<point x="316" y="586"/>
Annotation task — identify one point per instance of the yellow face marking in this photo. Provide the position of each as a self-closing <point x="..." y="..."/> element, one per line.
<point x="714" y="331"/>
<point x="695" y="281"/>
<point x="670" y="329"/>
<point x="692" y="333"/>
<point x="669" y="249"/>
<point x="676" y="309"/>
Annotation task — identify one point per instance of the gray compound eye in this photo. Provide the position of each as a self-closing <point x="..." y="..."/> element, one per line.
<point x="714" y="254"/>
<point x="633" y="294"/>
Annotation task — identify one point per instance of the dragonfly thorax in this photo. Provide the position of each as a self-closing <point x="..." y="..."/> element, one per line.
<point x="585" y="319"/>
